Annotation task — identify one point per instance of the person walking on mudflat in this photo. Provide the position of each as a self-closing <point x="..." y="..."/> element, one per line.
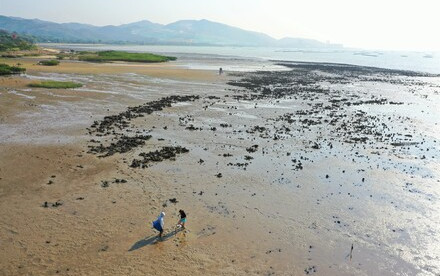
<point x="158" y="224"/>
<point x="182" y="220"/>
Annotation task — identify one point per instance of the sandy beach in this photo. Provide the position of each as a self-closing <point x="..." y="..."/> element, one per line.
<point x="320" y="169"/>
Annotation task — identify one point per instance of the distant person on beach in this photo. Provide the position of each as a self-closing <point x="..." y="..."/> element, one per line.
<point x="182" y="220"/>
<point x="220" y="71"/>
<point x="159" y="223"/>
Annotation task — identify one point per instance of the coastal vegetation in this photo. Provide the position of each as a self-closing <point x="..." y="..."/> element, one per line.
<point x="55" y="84"/>
<point x="10" y="70"/>
<point x="108" y="56"/>
<point x="51" y="62"/>
<point x="14" y="42"/>
<point x="65" y="55"/>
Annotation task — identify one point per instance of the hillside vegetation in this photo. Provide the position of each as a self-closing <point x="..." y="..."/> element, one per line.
<point x="14" y="42"/>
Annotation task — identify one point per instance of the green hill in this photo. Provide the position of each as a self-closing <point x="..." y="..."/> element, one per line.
<point x="182" y="32"/>
<point x="14" y="42"/>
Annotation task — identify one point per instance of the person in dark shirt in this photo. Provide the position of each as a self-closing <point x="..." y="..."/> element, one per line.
<point x="182" y="220"/>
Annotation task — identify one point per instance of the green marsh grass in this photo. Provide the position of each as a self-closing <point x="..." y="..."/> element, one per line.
<point x="51" y="62"/>
<point x="55" y="84"/>
<point x="106" y="56"/>
<point x="10" y="70"/>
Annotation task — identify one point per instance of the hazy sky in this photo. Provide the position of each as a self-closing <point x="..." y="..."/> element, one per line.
<point x="373" y="24"/>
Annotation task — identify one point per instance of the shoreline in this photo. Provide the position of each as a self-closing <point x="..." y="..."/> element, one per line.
<point x="250" y="209"/>
<point x="412" y="61"/>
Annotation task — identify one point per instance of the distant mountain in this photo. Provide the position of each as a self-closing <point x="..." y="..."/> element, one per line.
<point x="183" y="32"/>
<point x="207" y="32"/>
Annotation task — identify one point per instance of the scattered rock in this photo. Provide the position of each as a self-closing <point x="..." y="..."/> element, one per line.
<point x="157" y="156"/>
<point x="173" y="200"/>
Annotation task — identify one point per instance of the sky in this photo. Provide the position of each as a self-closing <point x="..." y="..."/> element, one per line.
<point x="372" y="24"/>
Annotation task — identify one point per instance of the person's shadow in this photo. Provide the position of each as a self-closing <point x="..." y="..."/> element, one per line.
<point x="152" y="240"/>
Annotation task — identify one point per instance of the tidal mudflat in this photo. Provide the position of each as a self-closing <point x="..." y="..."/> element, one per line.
<point x="324" y="169"/>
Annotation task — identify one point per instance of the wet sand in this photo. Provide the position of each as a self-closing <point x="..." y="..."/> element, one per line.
<point x="159" y="70"/>
<point x="285" y="171"/>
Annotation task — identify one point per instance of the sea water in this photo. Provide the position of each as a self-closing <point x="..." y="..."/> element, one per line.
<point x="256" y="58"/>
